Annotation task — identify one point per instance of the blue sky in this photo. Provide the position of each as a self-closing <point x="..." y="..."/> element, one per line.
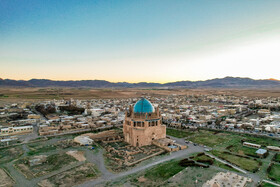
<point x="154" y="41"/>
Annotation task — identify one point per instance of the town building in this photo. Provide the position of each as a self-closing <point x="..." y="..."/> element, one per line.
<point x="16" y="130"/>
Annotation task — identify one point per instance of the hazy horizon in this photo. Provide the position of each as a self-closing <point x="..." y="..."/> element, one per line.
<point x="139" y="41"/>
<point x="134" y="82"/>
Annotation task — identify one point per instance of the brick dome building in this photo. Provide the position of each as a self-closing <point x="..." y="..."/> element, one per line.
<point x="143" y="124"/>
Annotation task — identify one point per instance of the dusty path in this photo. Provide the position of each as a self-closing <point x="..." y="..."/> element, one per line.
<point x="97" y="159"/>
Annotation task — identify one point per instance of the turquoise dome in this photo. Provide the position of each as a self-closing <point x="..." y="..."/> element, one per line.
<point x="143" y="106"/>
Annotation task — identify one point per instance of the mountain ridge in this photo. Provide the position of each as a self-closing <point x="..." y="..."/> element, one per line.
<point x="226" y="82"/>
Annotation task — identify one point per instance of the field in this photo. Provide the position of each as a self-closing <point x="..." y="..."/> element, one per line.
<point x="27" y="94"/>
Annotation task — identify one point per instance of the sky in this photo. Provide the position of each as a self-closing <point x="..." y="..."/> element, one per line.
<point x="139" y="40"/>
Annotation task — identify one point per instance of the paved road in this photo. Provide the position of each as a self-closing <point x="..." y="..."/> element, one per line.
<point x="179" y="154"/>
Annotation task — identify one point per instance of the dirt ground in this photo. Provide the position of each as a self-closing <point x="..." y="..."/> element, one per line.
<point x="6" y="181"/>
<point x="30" y="94"/>
<point x="78" y="155"/>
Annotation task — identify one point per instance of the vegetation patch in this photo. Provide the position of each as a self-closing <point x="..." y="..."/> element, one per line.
<point x="242" y="162"/>
<point x="224" y="166"/>
<point x="240" y="149"/>
<point x="179" y="133"/>
<point x="276" y="157"/>
<point x="263" y="141"/>
<point x="36" y="149"/>
<point x="265" y="184"/>
<point x="164" y="171"/>
<point x="202" y="158"/>
<point x="205" y="159"/>
<point x="209" y="138"/>
<point x="273" y="172"/>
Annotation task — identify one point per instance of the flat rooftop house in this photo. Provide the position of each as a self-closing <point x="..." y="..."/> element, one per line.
<point x="261" y="152"/>
<point x="248" y="144"/>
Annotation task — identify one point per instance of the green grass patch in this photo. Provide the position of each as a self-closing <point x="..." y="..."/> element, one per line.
<point x="57" y="161"/>
<point x="164" y="171"/>
<point x="244" y="163"/>
<point x="217" y="137"/>
<point x="202" y="158"/>
<point x="223" y="166"/>
<point x="265" y="184"/>
<point x="240" y="149"/>
<point x="277" y="157"/>
<point x="209" y="138"/>
<point x="179" y="133"/>
<point x="263" y="141"/>
<point x="38" y="149"/>
<point x="274" y="173"/>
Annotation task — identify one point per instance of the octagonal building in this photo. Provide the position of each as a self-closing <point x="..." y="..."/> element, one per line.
<point x="143" y="124"/>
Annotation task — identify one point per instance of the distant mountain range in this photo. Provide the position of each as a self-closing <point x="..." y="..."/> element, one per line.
<point x="227" y="82"/>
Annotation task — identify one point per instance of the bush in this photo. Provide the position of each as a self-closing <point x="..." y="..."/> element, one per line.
<point x="200" y="154"/>
<point x="210" y="162"/>
<point x="269" y="168"/>
<point x="228" y="147"/>
<point x="186" y="162"/>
